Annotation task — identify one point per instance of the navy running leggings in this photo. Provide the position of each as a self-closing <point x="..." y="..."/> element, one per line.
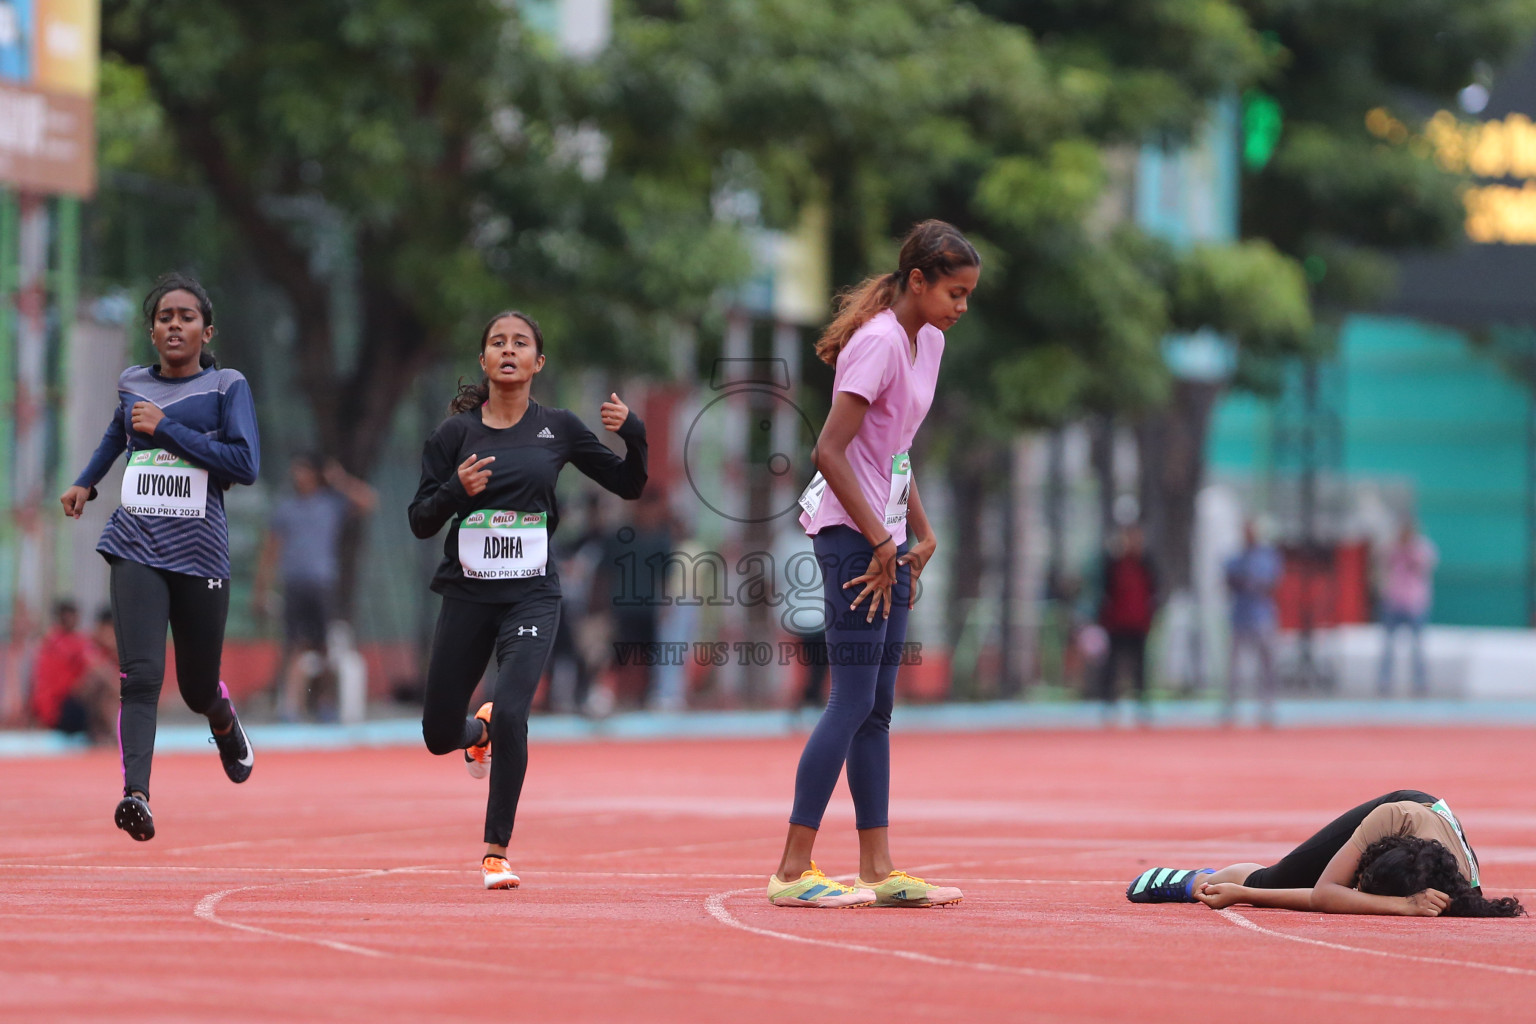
<point x="144" y="600"/>
<point x="864" y="656"/>
<point x="521" y="634"/>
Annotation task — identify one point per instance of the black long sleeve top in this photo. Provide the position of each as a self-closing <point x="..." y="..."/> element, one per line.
<point x="529" y="456"/>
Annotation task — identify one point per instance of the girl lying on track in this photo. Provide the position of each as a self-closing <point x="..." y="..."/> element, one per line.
<point x="1403" y="853"/>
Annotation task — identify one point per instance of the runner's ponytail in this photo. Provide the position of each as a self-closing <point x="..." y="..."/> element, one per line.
<point x="933" y="247"/>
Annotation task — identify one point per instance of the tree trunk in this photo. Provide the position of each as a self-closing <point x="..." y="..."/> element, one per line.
<point x="1172" y="448"/>
<point x="354" y="415"/>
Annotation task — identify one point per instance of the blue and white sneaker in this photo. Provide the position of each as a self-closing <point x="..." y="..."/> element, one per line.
<point x="1165" y="885"/>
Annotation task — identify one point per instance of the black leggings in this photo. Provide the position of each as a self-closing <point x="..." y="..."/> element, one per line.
<point x="144" y="600"/>
<point x="521" y="634"/>
<point x="1303" y="866"/>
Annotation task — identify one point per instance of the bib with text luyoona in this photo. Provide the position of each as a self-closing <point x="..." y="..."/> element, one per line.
<point x="161" y="483"/>
<point x="496" y="544"/>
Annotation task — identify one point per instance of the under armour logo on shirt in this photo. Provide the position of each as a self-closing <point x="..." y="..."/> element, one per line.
<point x="544" y="432"/>
<point x="521" y="630"/>
<point x="215" y="584"/>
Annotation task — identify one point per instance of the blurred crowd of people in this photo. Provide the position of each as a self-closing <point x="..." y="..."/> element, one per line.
<point x="1104" y="630"/>
<point x="614" y="600"/>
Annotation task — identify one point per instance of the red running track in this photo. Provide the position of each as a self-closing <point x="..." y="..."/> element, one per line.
<point x="344" y="886"/>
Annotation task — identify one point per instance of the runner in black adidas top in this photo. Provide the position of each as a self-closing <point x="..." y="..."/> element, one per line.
<point x="491" y="468"/>
<point x="189" y="428"/>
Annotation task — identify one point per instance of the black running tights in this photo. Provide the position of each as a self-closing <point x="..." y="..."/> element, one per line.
<point x="521" y="634"/>
<point x="144" y="601"/>
<point x="1303" y="866"/>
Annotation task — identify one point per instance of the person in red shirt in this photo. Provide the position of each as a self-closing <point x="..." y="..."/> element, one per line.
<point x="66" y="677"/>
<point x="1126" y="609"/>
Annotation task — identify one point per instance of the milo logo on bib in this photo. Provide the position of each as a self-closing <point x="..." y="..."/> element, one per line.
<point x="498" y="544"/>
<point x="161" y="483"/>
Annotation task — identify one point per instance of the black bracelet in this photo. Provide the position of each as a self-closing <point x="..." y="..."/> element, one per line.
<point x="888" y="540"/>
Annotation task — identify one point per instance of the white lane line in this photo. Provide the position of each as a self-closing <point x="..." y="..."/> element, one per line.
<point x="207" y="910"/>
<point x="465" y="872"/>
<point x="1243" y="922"/>
<point x="715" y="906"/>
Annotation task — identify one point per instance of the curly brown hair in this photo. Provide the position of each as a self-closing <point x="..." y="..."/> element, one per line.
<point x="1401" y="865"/>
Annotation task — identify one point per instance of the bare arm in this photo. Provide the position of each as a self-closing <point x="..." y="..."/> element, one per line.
<point x="358" y="493"/>
<point x="1220" y="895"/>
<point x="831" y="458"/>
<point x="1333" y="894"/>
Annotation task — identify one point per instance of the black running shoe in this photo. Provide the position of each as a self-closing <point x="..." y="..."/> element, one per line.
<point x="133" y="817"/>
<point x="1165" y="885"/>
<point x="234" y="746"/>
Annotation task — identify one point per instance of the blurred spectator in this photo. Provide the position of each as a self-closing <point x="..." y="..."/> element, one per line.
<point x="633" y="561"/>
<point x="303" y="544"/>
<point x="1406" y="597"/>
<point x="1252" y="576"/>
<point x="73" y="680"/>
<point x="1127" y="605"/>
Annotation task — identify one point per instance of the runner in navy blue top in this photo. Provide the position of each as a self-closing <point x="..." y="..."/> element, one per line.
<point x="189" y="430"/>
<point x="491" y="469"/>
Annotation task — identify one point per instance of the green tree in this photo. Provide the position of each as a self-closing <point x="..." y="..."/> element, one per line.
<point x="433" y="133"/>
<point x="890" y="111"/>
<point x="434" y="138"/>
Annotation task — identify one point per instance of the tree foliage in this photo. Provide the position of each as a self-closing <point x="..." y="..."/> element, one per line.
<point x="434" y="137"/>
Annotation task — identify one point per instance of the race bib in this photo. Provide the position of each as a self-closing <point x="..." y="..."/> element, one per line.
<point x="896" y="502"/>
<point x="810" y="498"/>
<point x="901" y="489"/>
<point x="1443" y="809"/>
<point x="160" y="483"/>
<point x="501" y="545"/>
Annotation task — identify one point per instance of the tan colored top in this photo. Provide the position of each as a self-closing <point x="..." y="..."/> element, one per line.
<point x="1414" y="819"/>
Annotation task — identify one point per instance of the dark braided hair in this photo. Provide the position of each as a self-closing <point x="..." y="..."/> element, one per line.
<point x="934" y="247"/>
<point x="1401" y="865"/>
<point x="175" y="281"/>
<point x="472" y="396"/>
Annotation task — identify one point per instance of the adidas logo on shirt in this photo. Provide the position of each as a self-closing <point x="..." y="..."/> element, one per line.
<point x="544" y="432"/>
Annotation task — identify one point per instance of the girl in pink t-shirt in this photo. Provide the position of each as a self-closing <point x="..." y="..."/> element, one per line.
<point x="885" y="343"/>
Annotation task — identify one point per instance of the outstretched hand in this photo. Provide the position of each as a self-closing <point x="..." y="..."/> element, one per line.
<point x="877" y="581"/>
<point x="1219" y="895"/>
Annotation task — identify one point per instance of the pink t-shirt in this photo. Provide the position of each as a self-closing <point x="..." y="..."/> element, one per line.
<point x="877" y="365"/>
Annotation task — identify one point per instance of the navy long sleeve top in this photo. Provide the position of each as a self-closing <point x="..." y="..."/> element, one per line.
<point x="210" y="422"/>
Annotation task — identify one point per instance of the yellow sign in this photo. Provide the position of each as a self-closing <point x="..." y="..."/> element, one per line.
<point x="48" y="97"/>
<point x="65" y="46"/>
